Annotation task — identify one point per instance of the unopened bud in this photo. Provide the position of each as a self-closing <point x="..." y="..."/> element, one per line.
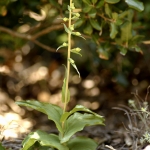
<point x="72" y="6"/>
<point x="65" y="44"/>
<point x="71" y="61"/>
<point x="72" y="27"/>
<point x="77" y="33"/>
<point x="65" y="19"/>
<point x="78" y="49"/>
<point x="77" y="15"/>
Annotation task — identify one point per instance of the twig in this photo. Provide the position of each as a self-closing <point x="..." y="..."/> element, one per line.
<point x="46" y="47"/>
<point x="47" y="30"/>
<point x="147" y="93"/>
<point x="33" y="38"/>
<point x="16" y="34"/>
<point x="130" y="122"/>
<point x="106" y="19"/>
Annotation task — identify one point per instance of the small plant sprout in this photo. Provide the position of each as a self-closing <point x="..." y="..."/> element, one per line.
<point x="67" y="122"/>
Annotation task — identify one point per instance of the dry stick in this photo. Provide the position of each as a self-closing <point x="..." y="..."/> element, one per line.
<point x="33" y="38"/>
<point x="46" y="47"/>
<point x="131" y="112"/>
<point x="47" y="30"/>
<point x="106" y="19"/>
<point x="128" y="119"/>
<point x="136" y="109"/>
<point x="147" y="93"/>
<point x="16" y="34"/>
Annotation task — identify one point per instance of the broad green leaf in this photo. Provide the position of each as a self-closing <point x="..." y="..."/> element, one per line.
<point x="76" y="122"/>
<point x="77" y="3"/>
<point x="44" y="139"/>
<point x="100" y="4"/>
<point x="108" y="10"/>
<point x="134" y="41"/>
<point x="86" y="8"/>
<point x="113" y="30"/>
<point x="74" y="65"/>
<point x="116" y="19"/>
<point x="94" y="1"/>
<point x="130" y="15"/>
<point x="138" y="49"/>
<point x="118" y="41"/>
<point x="87" y="2"/>
<point x="54" y="3"/>
<point x="1" y="147"/>
<point x="78" y="23"/>
<point x="123" y="50"/>
<point x="53" y="112"/>
<point x="67" y="29"/>
<point x="88" y="29"/>
<point x="95" y="37"/>
<point x="92" y="13"/>
<point x="115" y="16"/>
<point x="135" y="4"/>
<point x="63" y="45"/>
<point x="37" y="146"/>
<point x="119" y="22"/>
<point x="126" y="15"/>
<point x="76" y="109"/>
<point x="82" y="143"/>
<point x="126" y="31"/>
<point x="103" y="53"/>
<point x="95" y="24"/>
<point x="63" y="92"/>
<point x="137" y="38"/>
<point x="112" y="1"/>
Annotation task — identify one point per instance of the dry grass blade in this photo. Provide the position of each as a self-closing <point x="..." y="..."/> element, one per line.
<point x="110" y="147"/>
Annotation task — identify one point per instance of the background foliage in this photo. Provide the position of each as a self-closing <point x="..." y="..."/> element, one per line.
<point x="32" y="30"/>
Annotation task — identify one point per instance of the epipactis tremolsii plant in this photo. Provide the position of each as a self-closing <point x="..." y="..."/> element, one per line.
<point x="67" y="122"/>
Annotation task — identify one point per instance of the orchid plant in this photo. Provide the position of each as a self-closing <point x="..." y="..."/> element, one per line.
<point x="67" y="122"/>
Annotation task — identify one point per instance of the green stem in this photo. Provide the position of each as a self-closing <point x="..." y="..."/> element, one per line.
<point x="68" y="57"/>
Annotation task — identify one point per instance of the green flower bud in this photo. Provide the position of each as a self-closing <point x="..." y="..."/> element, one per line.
<point x="72" y="27"/>
<point x="72" y="6"/>
<point x="65" y="19"/>
<point x="65" y="44"/>
<point x="78" y="49"/>
<point x="71" y="61"/>
<point x="77" y="33"/>
<point x="77" y="15"/>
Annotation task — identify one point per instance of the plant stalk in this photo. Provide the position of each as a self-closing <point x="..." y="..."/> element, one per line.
<point x="68" y="63"/>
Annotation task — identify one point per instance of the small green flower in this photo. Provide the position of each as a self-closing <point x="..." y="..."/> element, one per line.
<point x="72" y="6"/>
<point x="77" y="15"/>
<point x="72" y="27"/>
<point x="71" y="61"/>
<point x="78" y="49"/>
<point x="65" y="44"/>
<point x="131" y="103"/>
<point x="77" y="33"/>
<point x="65" y="19"/>
<point x="144" y="109"/>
